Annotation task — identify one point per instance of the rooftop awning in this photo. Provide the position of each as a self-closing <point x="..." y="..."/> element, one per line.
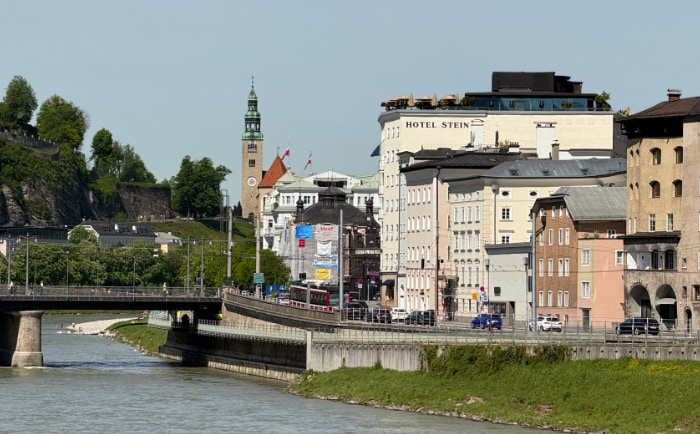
<point x="665" y="301"/>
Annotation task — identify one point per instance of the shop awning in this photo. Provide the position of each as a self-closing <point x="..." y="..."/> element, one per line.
<point x="388" y="282"/>
<point x="665" y="301"/>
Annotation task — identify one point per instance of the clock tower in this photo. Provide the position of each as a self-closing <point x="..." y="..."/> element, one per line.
<point x="252" y="153"/>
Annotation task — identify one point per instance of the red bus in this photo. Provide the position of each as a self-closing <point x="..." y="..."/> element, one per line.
<point x="320" y="298"/>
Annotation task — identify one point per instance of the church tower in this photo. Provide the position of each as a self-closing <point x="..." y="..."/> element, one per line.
<point x="252" y="155"/>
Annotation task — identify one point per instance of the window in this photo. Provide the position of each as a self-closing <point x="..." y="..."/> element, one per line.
<point x="477" y="213"/>
<point x="551" y="236"/>
<point x="540" y="299"/>
<point x="561" y="267"/>
<point x="656" y="156"/>
<point x="619" y="257"/>
<point x="566" y="298"/>
<point x="505" y="239"/>
<point x="251" y="163"/>
<point x="252" y="147"/>
<point x="566" y="266"/>
<point x="560" y="298"/>
<point x="549" y="298"/>
<point x="652" y="222"/>
<point x="611" y="233"/>
<point x="679" y="155"/>
<point x="586" y="289"/>
<point x="561" y="236"/>
<point x="505" y="213"/>
<point x="655" y="260"/>
<point x="670" y="259"/>
<point x="550" y="267"/>
<point x="540" y="266"/>
<point x="669" y="222"/>
<point x="554" y="211"/>
<point x="567" y="235"/>
<point x="586" y="257"/>
<point x="678" y="188"/>
<point x="655" y="188"/>
<point x="561" y="210"/>
<point x="696" y="292"/>
<point x="542" y="235"/>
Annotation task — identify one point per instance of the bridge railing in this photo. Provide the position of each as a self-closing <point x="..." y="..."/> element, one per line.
<point x="110" y="291"/>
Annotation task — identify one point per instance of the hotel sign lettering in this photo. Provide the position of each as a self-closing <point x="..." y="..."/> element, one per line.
<point x="442" y="124"/>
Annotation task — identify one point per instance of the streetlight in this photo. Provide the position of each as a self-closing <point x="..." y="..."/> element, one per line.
<point x="487" y="263"/>
<point x="26" y="276"/>
<point x="66" y="252"/>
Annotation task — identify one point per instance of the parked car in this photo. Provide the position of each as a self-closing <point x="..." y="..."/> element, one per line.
<point x="283" y="297"/>
<point x="355" y="310"/>
<point x="546" y="323"/>
<point x="484" y="320"/>
<point x="379" y="315"/>
<point x="638" y="325"/>
<point x="398" y="315"/>
<point x="421" y="317"/>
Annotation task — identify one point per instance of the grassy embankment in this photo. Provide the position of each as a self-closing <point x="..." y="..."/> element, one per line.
<point x="139" y="335"/>
<point x="615" y="396"/>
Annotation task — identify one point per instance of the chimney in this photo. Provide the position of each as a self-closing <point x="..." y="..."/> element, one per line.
<point x="555" y="149"/>
<point x="673" y="94"/>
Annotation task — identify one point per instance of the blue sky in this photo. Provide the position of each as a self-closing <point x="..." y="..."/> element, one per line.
<point x="171" y="78"/>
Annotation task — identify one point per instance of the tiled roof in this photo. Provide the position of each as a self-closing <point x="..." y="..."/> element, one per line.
<point x="467" y="159"/>
<point x="274" y="173"/>
<point x="681" y="107"/>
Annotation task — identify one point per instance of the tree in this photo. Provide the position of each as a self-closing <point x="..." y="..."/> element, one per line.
<point x="19" y="104"/>
<point x="62" y="122"/>
<point x="102" y="151"/>
<point x="197" y="188"/>
<point x="601" y="101"/>
<point x="133" y="168"/>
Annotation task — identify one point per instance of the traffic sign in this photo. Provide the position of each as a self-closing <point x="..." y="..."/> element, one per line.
<point x="258" y="277"/>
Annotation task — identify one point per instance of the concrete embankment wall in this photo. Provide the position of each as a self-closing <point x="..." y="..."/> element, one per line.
<point x="269" y="359"/>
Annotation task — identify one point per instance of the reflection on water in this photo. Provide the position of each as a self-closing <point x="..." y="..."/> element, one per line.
<point x="92" y="384"/>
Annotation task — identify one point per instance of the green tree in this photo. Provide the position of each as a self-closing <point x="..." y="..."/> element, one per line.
<point x="197" y="188"/>
<point x="133" y="168"/>
<point x="17" y="109"/>
<point x="62" y="122"/>
<point x="243" y="265"/>
<point x="103" y="150"/>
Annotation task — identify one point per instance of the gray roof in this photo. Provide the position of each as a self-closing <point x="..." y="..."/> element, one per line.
<point x="466" y="159"/>
<point x="595" y="203"/>
<point x="558" y="168"/>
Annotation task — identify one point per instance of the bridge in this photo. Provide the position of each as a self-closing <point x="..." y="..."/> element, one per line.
<point x="20" y="314"/>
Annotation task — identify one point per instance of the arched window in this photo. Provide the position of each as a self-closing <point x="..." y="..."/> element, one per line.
<point x="655" y="188"/>
<point x="678" y="188"/>
<point x="679" y="154"/>
<point x="631" y="191"/>
<point x="655" y="156"/>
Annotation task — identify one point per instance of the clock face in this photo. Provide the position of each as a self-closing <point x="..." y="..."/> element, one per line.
<point x="252" y="181"/>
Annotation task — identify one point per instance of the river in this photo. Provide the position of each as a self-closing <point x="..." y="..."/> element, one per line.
<point x="93" y="384"/>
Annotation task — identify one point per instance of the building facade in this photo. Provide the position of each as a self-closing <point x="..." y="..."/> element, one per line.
<point x="662" y="262"/>
<point x="251" y="157"/>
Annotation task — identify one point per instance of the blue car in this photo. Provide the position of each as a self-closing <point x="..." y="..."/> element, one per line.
<point x="483" y="319"/>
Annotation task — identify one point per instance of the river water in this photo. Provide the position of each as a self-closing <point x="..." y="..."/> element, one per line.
<point x="90" y="384"/>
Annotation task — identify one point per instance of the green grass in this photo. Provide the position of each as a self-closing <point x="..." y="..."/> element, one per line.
<point x="139" y="335"/>
<point x="615" y="396"/>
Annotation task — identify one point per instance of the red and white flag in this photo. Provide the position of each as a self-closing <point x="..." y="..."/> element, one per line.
<point x="308" y="162"/>
<point x="286" y="153"/>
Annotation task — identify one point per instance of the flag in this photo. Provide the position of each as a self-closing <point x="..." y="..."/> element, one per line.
<point x="308" y="162"/>
<point x="286" y="153"/>
<point x="375" y="153"/>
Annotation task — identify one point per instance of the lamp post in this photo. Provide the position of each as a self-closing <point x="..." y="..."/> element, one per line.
<point x="133" y="278"/>
<point x="26" y="275"/>
<point x="66" y="252"/>
<point x="187" y="281"/>
<point x="487" y="263"/>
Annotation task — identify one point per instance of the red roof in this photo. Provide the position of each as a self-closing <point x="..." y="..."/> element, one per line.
<point x="274" y="173"/>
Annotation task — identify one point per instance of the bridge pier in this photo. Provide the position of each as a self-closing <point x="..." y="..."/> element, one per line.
<point x="20" y="338"/>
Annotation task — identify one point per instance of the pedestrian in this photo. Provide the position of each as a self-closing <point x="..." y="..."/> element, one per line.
<point x="11" y="287"/>
<point x="165" y="290"/>
<point x="41" y="287"/>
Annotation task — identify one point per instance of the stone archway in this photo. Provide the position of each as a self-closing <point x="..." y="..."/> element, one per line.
<point x="665" y="304"/>
<point x="639" y="302"/>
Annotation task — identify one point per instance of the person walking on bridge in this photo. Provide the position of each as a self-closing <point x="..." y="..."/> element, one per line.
<point x="11" y="287"/>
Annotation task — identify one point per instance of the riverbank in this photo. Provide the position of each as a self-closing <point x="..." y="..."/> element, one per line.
<point x="93" y="327"/>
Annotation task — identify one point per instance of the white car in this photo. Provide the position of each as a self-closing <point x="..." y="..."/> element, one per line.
<point x="546" y="323"/>
<point x="398" y="315"/>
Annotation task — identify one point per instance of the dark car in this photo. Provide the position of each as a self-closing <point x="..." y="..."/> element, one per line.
<point x="484" y="320"/>
<point x="355" y="310"/>
<point x="379" y="315"/>
<point x="638" y="325"/>
<point x="421" y="317"/>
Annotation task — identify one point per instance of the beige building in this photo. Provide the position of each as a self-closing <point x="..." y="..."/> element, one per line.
<point x="662" y="264"/>
<point x="494" y="208"/>
<point x="530" y="112"/>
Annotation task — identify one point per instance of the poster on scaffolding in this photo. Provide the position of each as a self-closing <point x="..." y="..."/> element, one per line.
<point x="326" y="233"/>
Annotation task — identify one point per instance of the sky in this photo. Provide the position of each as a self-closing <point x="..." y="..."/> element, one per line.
<point x="171" y="78"/>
